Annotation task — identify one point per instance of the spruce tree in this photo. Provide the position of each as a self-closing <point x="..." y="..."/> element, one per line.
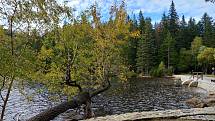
<point x="173" y="20"/>
<point x="141" y="22"/>
<point x="206" y="27"/>
<point x="174" y="25"/>
<point x="192" y="31"/>
<point x="183" y="22"/>
<point x="140" y="55"/>
<point x="132" y="44"/>
<point x="150" y="39"/>
<point x="140" y="64"/>
<point x="161" y="32"/>
<point x="168" y="51"/>
<point x="146" y="50"/>
<point x="183" y="42"/>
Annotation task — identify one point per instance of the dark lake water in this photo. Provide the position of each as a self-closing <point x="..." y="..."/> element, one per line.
<point x="134" y="96"/>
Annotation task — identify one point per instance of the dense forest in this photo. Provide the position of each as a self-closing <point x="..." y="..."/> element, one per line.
<point x="43" y="42"/>
<point x="178" y="45"/>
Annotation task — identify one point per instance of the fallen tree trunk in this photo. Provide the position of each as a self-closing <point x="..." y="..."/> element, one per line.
<point x="53" y="112"/>
<point x="82" y="98"/>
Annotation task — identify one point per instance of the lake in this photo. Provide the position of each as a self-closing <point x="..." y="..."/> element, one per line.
<point x="133" y="96"/>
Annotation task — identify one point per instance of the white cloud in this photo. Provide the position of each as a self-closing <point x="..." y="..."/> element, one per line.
<point x="189" y="8"/>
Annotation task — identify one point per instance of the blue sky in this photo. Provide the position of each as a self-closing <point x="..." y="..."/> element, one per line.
<point x="151" y="8"/>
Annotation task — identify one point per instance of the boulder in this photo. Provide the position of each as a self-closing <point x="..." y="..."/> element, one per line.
<point x="196" y="103"/>
<point x="209" y="101"/>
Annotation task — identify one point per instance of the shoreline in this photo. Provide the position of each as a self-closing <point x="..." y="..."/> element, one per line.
<point x="205" y="113"/>
<point x="167" y="115"/>
<point x="205" y="84"/>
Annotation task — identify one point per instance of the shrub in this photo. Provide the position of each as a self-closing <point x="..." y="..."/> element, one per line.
<point x="161" y="71"/>
<point x="131" y="74"/>
<point x="169" y="71"/>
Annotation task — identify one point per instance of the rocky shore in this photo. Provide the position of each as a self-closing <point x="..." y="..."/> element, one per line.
<point x="209" y="101"/>
<point x="203" y="109"/>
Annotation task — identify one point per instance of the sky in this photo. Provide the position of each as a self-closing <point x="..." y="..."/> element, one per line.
<point x="150" y="8"/>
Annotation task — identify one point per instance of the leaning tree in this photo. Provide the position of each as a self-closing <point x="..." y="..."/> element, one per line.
<point x="81" y="53"/>
<point x="91" y="54"/>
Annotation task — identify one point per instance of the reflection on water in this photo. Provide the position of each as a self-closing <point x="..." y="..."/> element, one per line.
<point x="135" y="95"/>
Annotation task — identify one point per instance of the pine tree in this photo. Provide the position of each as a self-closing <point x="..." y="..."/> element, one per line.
<point x="183" y="42"/>
<point x="173" y="20"/>
<point x="161" y="32"/>
<point x="150" y="39"/>
<point x="173" y="26"/>
<point x="157" y="43"/>
<point x="140" y="45"/>
<point x="145" y="50"/>
<point x="183" y="22"/>
<point x="168" y="51"/>
<point x="141" y="22"/>
<point x="164" y="21"/>
<point x="140" y="55"/>
<point x="132" y="44"/>
<point x="206" y="27"/>
<point x="192" y="30"/>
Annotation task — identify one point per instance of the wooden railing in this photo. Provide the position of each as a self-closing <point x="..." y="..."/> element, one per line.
<point x="198" y="75"/>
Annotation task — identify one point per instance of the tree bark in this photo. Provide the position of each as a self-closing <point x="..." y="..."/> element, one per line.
<point x="53" y="112"/>
<point x="6" y="99"/>
<point x="12" y="79"/>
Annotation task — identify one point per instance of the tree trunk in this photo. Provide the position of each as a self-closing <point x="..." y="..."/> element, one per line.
<point x="12" y="79"/>
<point x="6" y="99"/>
<point x="53" y="112"/>
<point x="82" y="98"/>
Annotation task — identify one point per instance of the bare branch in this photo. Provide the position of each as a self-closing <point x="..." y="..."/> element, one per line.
<point x="103" y="88"/>
<point x="68" y="80"/>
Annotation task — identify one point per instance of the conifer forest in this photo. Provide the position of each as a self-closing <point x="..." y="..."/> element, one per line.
<point x="43" y="42"/>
